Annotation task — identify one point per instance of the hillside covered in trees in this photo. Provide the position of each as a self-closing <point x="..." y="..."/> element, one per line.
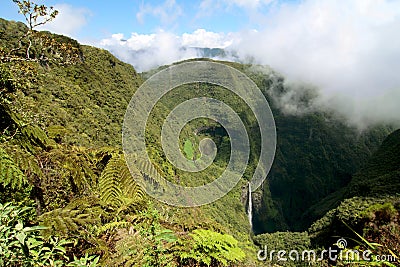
<point x="68" y="199"/>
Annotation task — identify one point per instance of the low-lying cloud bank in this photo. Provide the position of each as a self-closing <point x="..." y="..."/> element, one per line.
<point x="350" y="50"/>
<point x="147" y="51"/>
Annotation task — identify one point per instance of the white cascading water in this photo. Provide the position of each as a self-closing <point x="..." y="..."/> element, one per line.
<point x="250" y="209"/>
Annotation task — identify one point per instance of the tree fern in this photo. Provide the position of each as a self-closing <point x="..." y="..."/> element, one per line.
<point x="73" y="164"/>
<point x="10" y="174"/>
<point x="150" y="174"/>
<point x="112" y="226"/>
<point x="33" y="135"/>
<point x="101" y="156"/>
<point x="116" y="184"/>
<point x="207" y="247"/>
<point x="129" y="249"/>
<point x="146" y="243"/>
<point x="27" y="163"/>
<point x="109" y="182"/>
<point x="65" y="220"/>
<point x="30" y="136"/>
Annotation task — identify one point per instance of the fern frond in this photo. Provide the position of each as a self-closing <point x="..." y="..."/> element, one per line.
<point x="117" y="185"/>
<point x="65" y="220"/>
<point x="75" y="164"/>
<point x="130" y="188"/>
<point x="35" y="135"/>
<point x="129" y="249"/>
<point x="148" y="171"/>
<point x="10" y="174"/>
<point x="27" y="163"/>
<point x="112" y="226"/>
<point x="110" y="182"/>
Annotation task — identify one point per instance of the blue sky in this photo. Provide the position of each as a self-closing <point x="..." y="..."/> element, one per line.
<point x="103" y="18"/>
<point x="349" y="50"/>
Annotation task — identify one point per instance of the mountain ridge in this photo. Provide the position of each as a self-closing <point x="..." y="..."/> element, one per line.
<point x="67" y="121"/>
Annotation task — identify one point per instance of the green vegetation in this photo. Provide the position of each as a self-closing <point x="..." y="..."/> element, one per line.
<point x="377" y="178"/>
<point x="23" y="245"/>
<point x="370" y="202"/>
<point x="317" y="154"/>
<point x="211" y="248"/>
<point x="60" y="154"/>
<point x="67" y="197"/>
<point x="188" y="149"/>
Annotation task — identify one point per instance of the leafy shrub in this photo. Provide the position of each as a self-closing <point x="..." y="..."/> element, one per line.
<point x="206" y="247"/>
<point x="23" y="245"/>
<point x="284" y="240"/>
<point x="372" y="219"/>
<point x="145" y="243"/>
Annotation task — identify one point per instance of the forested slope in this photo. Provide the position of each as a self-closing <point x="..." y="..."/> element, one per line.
<point x="62" y="168"/>
<point x="62" y="165"/>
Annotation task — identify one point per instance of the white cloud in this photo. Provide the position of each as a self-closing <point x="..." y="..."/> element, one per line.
<point x="68" y="21"/>
<point x="168" y="12"/>
<point x="135" y="42"/>
<point x="349" y="49"/>
<point x="146" y="51"/>
<point x="203" y="38"/>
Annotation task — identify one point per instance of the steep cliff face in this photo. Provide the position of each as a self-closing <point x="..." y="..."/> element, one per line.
<point x="369" y="205"/>
<point x="381" y="175"/>
<point x="317" y="154"/>
<point x="378" y="177"/>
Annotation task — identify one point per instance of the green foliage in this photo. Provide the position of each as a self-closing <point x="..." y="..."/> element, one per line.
<point x="7" y="83"/>
<point x="375" y="218"/>
<point x="284" y="241"/>
<point x="65" y="173"/>
<point x="27" y="162"/>
<point x="57" y="118"/>
<point x="145" y="243"/>
<point x="376" y="253"/>
<point x="62" y="221"/>
<point x="117" y="186"/>
<point x="380" y="176"/>
<point x="210" y="248"/>
<point x="188" y="149"/>
<point x="75" y="163"/>
<point x="39" y="46"/>
<point x="10" y="174"/>
<point x="87" y="261"/>
<point x="316" y="155"/>
<point x="22" y="245"/>
<point x="377" y="178"/>
<point x="376" y="215"/>
<point x="385" y="211"/>
<point x="317" y="152"/>
<point x="156" y="253"/>
<point x="87" y="98"/>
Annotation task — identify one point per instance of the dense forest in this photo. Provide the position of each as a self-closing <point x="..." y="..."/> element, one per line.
<point x="67" y="197"/>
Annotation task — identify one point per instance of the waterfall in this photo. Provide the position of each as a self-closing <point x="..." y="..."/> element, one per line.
<point x="250" y="209"/>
